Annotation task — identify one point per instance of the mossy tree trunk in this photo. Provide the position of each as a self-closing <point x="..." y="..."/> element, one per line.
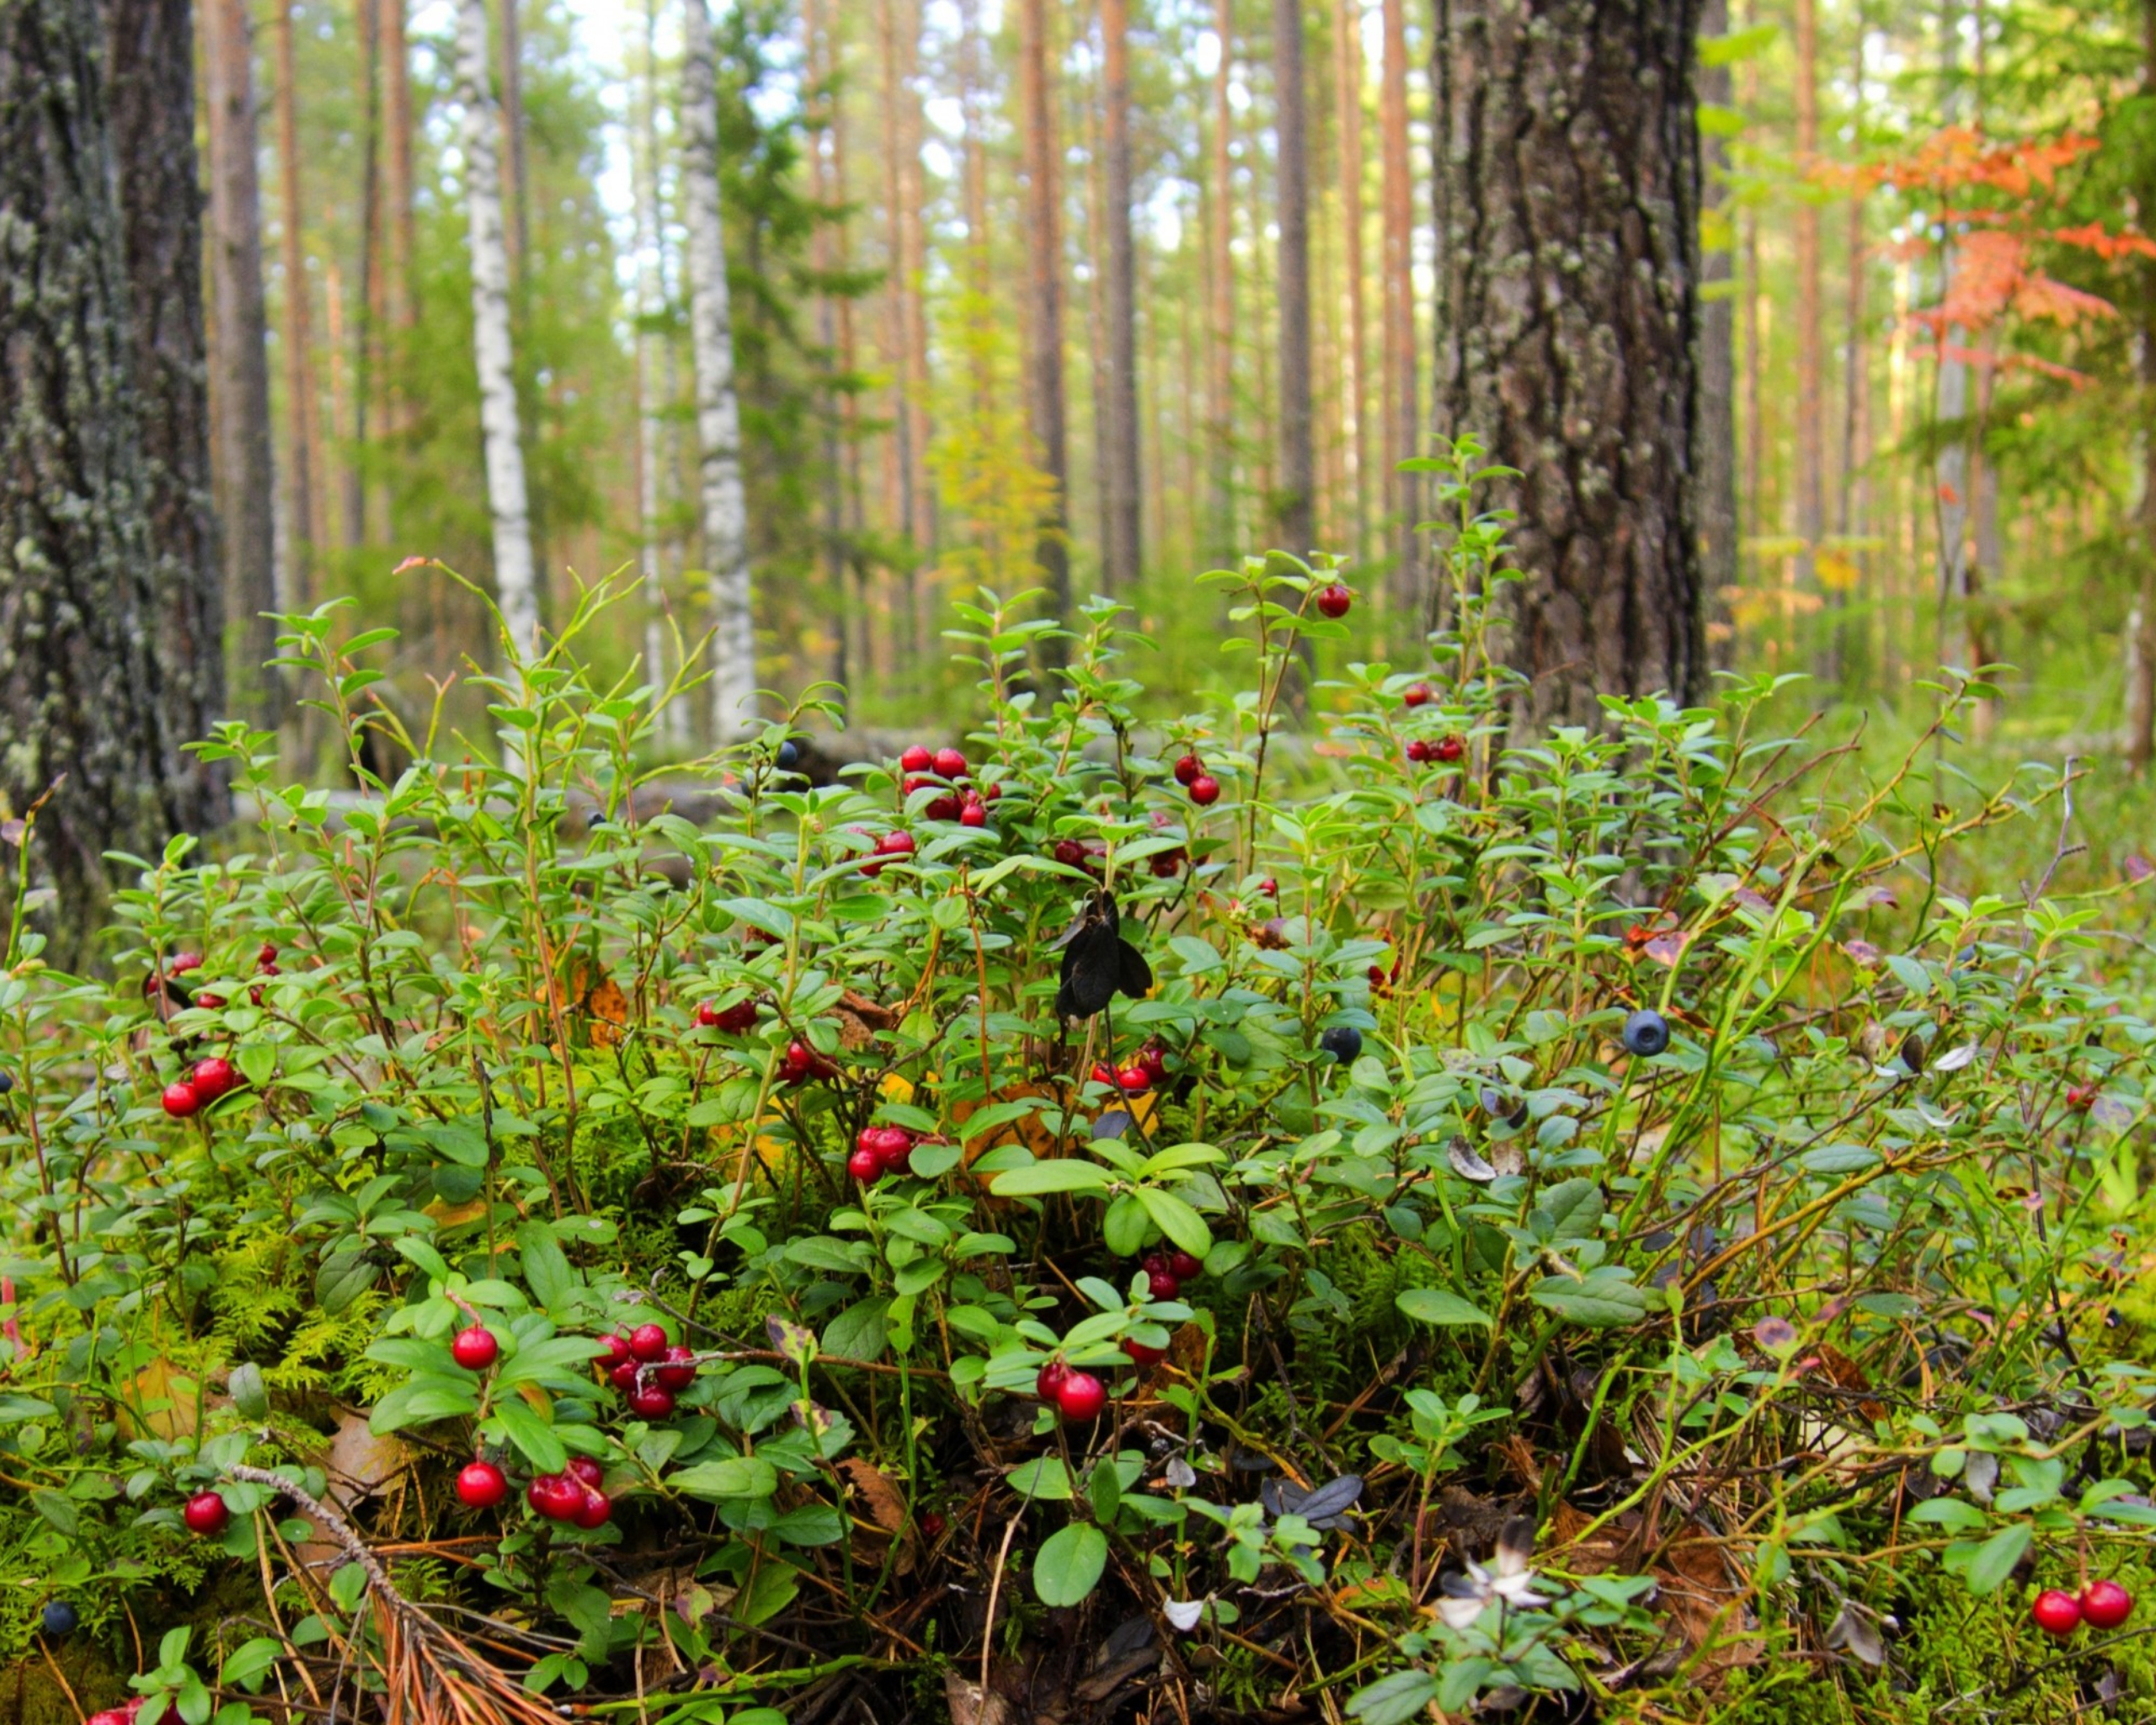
<point x="1567" y="185"/>
<point x="103" y="519"/>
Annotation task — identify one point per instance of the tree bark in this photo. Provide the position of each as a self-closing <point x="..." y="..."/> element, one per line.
<point x="516" y="587"/>
<point x="2140" y="657"/>
<point x="913" y="241"/>
<point x="1810" y="411"/>
<point x="516" y="189"/>
<point x="1399" y="393"/>
<point x="1716" y="438"/>
<point x="1123" y="499"/>
<point x="651" y="403"/>
<point x="723" y="498"/>
<point x="366" y="301"/>
<point x="1296" y="504"/>
<point x="242" y="463"/>
<point x="1044" y="289"/>
<point x="397" y="161"/>
<point x="150" y="61"/>
<point x="1220" y="319"/>
<point x="104" y="517"/>
<point x="297" y="334"/>
<point x="1568" y="203"/>
<point x="1354" y="382"/>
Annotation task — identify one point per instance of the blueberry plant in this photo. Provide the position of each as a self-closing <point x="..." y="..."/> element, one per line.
<point x="1130" y="1214"/>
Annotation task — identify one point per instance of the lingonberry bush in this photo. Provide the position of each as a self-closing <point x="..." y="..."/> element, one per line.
<point x="1209" y="1217"/>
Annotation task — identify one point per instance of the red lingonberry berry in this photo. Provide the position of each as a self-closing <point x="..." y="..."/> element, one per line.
<point x="1049" y="1379"/>
<point x="475" y="1349"/>
<point x="677" y="1374"/>
<point x="974" y="814"/>
<point x="917" y="759"/>
<point x="481" y="1485"/>
<point x="1080" y="1396"/>
<point x="585" y="1471"/>
<point x="1205" y="790"/>
<point x="865" y="1165"/>
<point x="1160" y="1286"/>
<point x="950" y="763"/>
<point x="2106" y="1604"/>
<point x="181" y="1100"/>
<point x="647" y="1342"/>
<point x="594" y="1510"/>
<point x="1335" y="600"/>
<point x="1154" y="1059"/>
<point x="1449" y="749"/>
<point x="650" y="1402"/>
<point x="205" y="1514"/>
<point x="1418" y="694"/>
<point x="1187" y="769"/>
<point x="1141" y="1356"/>
<point x="1134" y="1078"/>
<point x="2056" y="1613"/>
<point x="1185" y="1266"/>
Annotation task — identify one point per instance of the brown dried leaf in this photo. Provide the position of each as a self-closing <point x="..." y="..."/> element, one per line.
<point x="879" y="1503"/>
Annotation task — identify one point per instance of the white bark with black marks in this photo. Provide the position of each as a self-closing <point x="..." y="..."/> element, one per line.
<point x="724" y="498"/>
<point x="515" y="588"/>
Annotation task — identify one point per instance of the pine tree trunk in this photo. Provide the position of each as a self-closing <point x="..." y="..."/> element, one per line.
<point x="2141" y="658"/>
<point x="1567" y="236"/>
<point x="1354" y="380"/>
<point x="1399" y="395"/>
<point x="1717" y="431"/>
<point x="1950" y="466"/>
<point x="723" y="499"/>
<point x="298" y="333"/>
<point x="1097" y="353"/>
<point x="105" y="539"/>
<point x="397" y="161"/>
<point x="517" y="188"/>
<point x="1297" y="501"/>
<point x="1123" y="500"/>
<point x="366" y="301"/>
<point x="1221" y="317"/>
<point x="1044" y="290"/>
<point x="241" y="464"/>
<point x="516" y="589"/>
<point x="150" y="61"/>
<point x="913" y="242"/>
<point x="1810" y="411"/>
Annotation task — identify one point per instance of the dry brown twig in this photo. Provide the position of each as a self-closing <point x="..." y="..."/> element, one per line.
<point x="430" y="1678"/>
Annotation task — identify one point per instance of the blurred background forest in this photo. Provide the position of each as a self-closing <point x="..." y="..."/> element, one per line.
<point x="1924" y="319"/>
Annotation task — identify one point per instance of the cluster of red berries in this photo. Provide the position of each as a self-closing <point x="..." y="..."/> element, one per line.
<point x="1191" y="774"/>
<point x="879" y="1151"/>
<point x="2100" y="1604"/>
<point x="265" y="965"/>
<point x="800" y="1063"/>
<point x="1145" y="1069"/>
<point x="157" y="982"/>
<point x="1077" y="1395"/>
<point x="2081" y="1096"/>
<point x="1382" y="980"/>
<point x="1165" y="1272"/>
<point x="1088" y="854"/>
<point x="1447" y="748"/>
<point x="572" y="1495"/>
<point x="209" y="1078"/>
<point x="963" y="802"/>
<point x="649" y="1370"/>
<point x="1336" y="600"/>
<point x="1166" y="864"/>
<point x="204" y="1514"/>
<point x="735" y="1020"/>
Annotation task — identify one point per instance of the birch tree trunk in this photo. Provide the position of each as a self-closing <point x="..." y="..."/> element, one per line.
<point x="724" y="502"/>
<point x="650" y="300"/>
<point x="241" y="464"/>
<point x="515" y="588"/>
